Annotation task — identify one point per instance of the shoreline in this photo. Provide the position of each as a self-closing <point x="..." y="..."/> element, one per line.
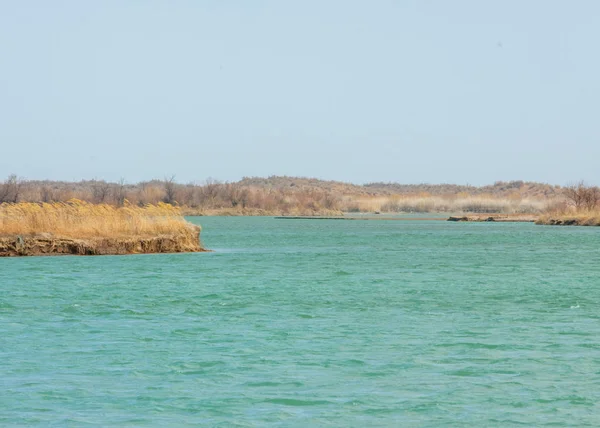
<point x="49" y="245"/>
<point x="499" y="218"/>
<point x="568" y="220"/>
<point x="361" y="218"/>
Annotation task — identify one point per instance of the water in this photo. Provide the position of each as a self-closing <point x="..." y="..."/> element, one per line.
<point x="311" y="323"/>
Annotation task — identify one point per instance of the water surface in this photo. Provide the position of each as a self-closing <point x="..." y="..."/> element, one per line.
<point x="311" y="323"/>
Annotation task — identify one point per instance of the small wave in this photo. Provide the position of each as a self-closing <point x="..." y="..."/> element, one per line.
<point x="261" y="384"/>
<point x="476" y="345"/>
<point x="467" y="372"/>
<point x="6" y="306"/>
<point x="296" y="402"/>
<point x="210" y="296"/>
<point x="572" y="399"/>
<point x="376" y="374"/>
<point x="194" y="368"/>
<point x="133" y="312"/>
<point x="342" y="273"/>
<point x="380" y="410"/>
<point x="355" y="362"/>
<point x="72" y="309"/>
<point x="189" y="332"/>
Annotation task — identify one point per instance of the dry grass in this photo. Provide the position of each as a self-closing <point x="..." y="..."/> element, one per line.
<point x="424" y="204"/>
<point x="564" y="215"/>
<point x="82" y="220"/>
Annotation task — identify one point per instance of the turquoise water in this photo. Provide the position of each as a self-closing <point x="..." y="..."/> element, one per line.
<point x="311" y="323"/>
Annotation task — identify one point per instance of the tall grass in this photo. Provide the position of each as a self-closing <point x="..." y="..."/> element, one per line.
<point x="569" y="215"/>
<point x="78" y="219"/>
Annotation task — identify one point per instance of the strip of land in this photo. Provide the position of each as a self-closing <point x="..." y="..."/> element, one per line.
<point x="502" y="218"/>
<point x="361" y="218"/>
<point x="81" y="228"/>
<point x="570" y="219"/>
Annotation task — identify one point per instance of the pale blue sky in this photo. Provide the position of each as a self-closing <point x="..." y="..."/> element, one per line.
<point x="408" y="91"/>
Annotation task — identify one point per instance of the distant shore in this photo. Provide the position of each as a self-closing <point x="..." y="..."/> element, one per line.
<point x="292" y="196"/>
<point x="501" y="218"/>
<point x="301" y="197"/>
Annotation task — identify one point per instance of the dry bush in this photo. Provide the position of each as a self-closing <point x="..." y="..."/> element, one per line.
<point x="582" y="196"/>
<point x="78" y="219"/>
<point x="461" y="203"/>
<point x="148" y="193"/>
<point x="10" y="189"/>
<point x="100" y="191"/>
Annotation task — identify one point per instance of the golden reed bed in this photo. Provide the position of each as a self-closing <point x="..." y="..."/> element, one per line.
<point x="571" y="217"/>
<point x="77" y="227"/>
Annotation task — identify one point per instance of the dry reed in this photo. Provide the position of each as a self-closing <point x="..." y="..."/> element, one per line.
<point x="80" y="220"/>
<point x="571" y="216"/>
<point x="424" y="204"/>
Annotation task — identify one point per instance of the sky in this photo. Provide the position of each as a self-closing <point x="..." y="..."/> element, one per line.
<point x="413" y="91"/>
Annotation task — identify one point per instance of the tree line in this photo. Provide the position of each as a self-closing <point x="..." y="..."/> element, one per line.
<point x="209" y="195"/>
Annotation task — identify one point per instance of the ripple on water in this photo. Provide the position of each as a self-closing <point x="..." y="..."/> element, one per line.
<point x="297" y="402"/>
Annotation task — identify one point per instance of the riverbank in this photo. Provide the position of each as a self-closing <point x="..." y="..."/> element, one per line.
<point x="81" y="228"/>
<point x="570" y="219"/>
<point x="519" y="218"/>
<point x="340" y="215"/>
<point x="44" y="245"/>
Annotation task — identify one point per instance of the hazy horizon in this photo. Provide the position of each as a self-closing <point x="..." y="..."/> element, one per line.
<point x="407" y="92"/>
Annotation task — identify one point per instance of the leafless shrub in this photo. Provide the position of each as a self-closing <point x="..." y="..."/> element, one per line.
<point x="169" y="184"/>
<point x="46" y="194"/>
<point x="119" y="193"/>
<point x="582" y="196"/>
<point x="100" y="191"/>
<point x="10" y="189"/>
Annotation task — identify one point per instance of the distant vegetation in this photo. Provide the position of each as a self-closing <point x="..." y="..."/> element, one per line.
<point x="293" y="196"/>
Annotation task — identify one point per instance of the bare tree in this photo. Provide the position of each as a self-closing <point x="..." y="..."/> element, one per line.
<point x="591" y="197"/>
<point x="575" y="193"/>
<point x="100" y="191"/>
<point x="187" y="195"/>
<point x="169" y="184"/>
<point x="209" y="192"/>
<point x="46" y="194"/>
<point x="10" y="189"/>
<point x="142" y="198"/>
<point x="119" y="192"/>
<point x="237" y="195"/>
